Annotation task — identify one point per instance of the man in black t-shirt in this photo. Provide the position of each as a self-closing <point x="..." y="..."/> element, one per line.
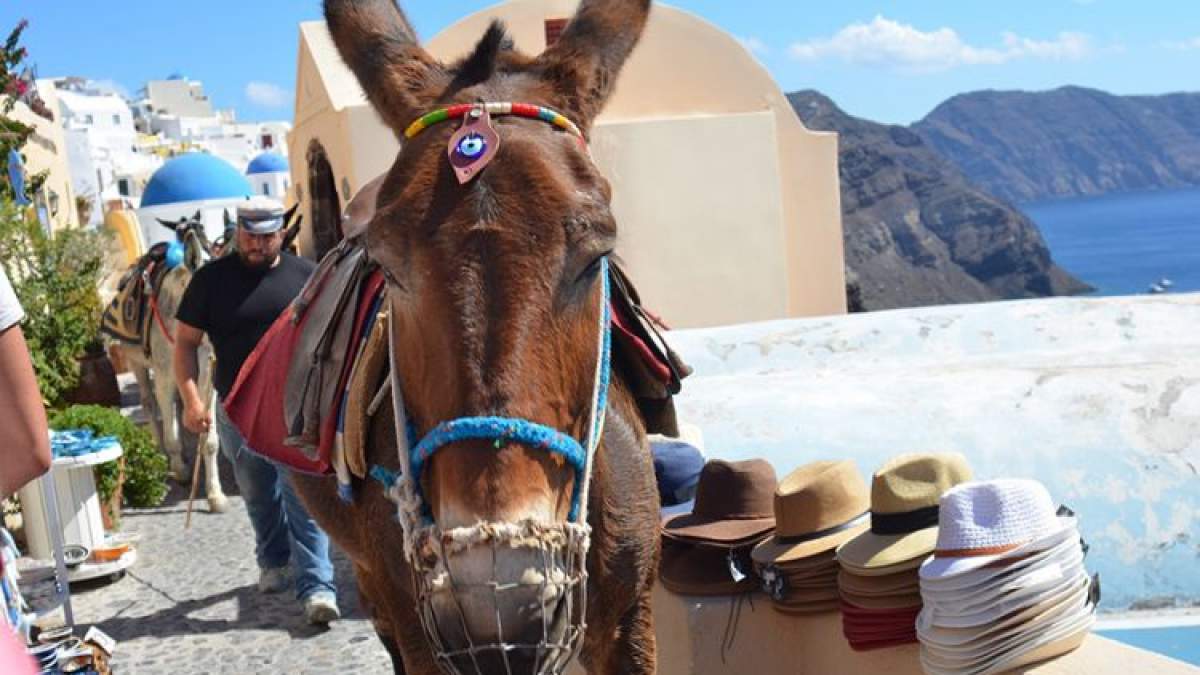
<point x="235" y="300"/>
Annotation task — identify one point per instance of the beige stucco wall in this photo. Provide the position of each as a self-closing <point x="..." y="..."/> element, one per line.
<point x="47" y="150"/>
<point x="700" y="256"/>
<point x="729" y="208"/>
<point x="716" y="636"/>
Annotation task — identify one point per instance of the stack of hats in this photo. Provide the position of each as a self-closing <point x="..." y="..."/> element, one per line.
<point x="707" y="551"/>
<point x="1006" y="586"/>
<point x="817" y="507"/>
<point x="879" y="586"/>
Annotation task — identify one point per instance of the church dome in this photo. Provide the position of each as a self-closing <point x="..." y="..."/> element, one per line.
<point x="268" y="162"/>
<point x="194" y="177"/>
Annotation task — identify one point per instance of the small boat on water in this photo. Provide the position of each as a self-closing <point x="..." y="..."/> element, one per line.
<point x="1165" y="282"/>
<point x="1157" y="288"/>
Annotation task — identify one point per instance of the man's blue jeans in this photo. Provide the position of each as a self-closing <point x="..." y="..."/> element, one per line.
<point x="283" y="530"/>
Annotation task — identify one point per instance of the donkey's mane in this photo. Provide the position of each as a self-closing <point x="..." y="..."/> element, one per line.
<point x="494" y="51"/>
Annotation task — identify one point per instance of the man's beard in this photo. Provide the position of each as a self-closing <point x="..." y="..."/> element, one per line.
<point x="259" y="262"/>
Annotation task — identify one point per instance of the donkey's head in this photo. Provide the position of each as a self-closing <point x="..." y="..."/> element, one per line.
<point x="495" y="283"/>
<point x="190" y="232"/>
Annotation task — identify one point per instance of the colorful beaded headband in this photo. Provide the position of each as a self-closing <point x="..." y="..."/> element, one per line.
<point x="476" y="142"/>
<point x="536" y="112"/>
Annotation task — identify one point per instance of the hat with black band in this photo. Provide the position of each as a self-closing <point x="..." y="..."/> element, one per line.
<point x="904" y="510"/>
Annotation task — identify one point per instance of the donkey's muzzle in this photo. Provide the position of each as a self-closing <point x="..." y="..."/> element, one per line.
<point x="512" y="605"/>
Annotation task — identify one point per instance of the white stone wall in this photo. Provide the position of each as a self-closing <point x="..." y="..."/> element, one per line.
<point x="1097" y="398"/>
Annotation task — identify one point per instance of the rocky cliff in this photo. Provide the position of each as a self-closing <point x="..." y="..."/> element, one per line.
<point x="1072" y="141"/>
<point x="916" y="232"/>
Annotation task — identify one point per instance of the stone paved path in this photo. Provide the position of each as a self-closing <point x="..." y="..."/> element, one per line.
<point x="190" y="604"/>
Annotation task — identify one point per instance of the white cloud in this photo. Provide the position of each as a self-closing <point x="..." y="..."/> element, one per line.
<point x="1068" y="47"/>
<point x="1183" y="45"/>
<point x="884" y="42"/>
<point x="268" y="95"/>
<point x="754" y="45"/>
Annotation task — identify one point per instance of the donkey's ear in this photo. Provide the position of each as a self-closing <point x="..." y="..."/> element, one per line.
<point x="171" y="225"/>
<point x="582" y="67"/>
<point x="378" y="43"/>
<point x="287" y="215"/>
<point x="225" y="218"/>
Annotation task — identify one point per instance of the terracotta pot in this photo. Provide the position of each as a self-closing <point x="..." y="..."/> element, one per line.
<point x="97" y="382"/>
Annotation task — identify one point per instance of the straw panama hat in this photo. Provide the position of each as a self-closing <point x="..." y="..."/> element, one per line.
<point x="904" y="509"/>
<point x="986" y="521"/>
<point x="817" y="507"/>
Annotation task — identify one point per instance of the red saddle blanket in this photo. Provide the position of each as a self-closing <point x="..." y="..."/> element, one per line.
<point x="255" y="405"/>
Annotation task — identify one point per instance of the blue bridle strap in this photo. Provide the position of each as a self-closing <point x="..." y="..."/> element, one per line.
<point x="505" y="430"/>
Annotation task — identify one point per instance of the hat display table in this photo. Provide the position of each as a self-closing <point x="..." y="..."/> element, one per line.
<point x="762" y="641"/>
<point x="74" y="517"/>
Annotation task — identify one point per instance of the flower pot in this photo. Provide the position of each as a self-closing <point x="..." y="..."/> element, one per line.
<point x="97" y="382"/>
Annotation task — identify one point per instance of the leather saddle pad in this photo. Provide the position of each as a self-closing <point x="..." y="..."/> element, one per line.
<point x="127" y="317"/>
<point x="285" y="398"/>
<point x="325" y="307"/>
<point x="367" y="377"/>
<point x="651" y="369"/>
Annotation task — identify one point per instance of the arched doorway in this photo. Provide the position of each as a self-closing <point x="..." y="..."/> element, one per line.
<point x="324" y="206"/>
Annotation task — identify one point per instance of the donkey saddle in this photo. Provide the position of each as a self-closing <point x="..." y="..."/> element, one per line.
<point x="127" y="317"/>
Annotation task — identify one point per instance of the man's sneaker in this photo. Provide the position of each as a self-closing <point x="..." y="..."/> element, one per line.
<point x="320" y="608"/>
<point x="273" y="580"/>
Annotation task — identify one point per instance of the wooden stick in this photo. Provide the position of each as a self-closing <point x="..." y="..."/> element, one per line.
<point x="201" y="441"/>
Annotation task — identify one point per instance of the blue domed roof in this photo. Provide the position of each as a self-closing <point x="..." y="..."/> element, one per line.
<point x="194" y="177"/>
<point x="268" y="162"/>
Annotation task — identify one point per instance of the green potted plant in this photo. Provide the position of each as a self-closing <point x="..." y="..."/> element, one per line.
<point x="55" y="278"/>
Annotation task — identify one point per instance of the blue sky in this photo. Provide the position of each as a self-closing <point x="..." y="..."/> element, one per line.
<point x="887" y="61"/>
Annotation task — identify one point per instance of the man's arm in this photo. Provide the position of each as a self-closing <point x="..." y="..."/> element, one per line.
<point x="24" y="438"/>
<point x="187" y="368"/>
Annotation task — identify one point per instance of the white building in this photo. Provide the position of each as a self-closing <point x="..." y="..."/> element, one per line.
<point x="114" y="147"/>
<point x="178" y="110"/>
<point x="102" y="143"/>
<point x="176" y="96"/>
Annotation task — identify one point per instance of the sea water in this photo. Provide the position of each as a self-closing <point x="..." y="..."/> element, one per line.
<point x="1123" y="243"/>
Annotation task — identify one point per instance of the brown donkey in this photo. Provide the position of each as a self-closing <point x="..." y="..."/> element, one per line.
<point x="496" y="291"/>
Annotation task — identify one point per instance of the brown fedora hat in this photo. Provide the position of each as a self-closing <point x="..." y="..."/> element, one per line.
<point x="817" y="507"/>
<point x="733" y="504"/>
<point x="904" y="509"/>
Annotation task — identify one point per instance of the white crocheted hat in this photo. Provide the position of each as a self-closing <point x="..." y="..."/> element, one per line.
<point x="982" y="522"/>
